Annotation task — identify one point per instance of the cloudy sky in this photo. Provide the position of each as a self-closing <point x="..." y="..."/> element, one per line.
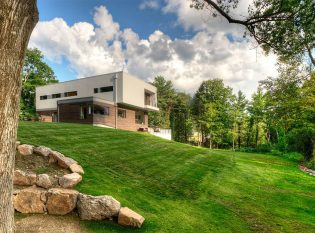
<point x="146" y="38"/>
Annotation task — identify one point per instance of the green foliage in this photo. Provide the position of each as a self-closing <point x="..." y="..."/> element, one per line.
<point x="211" y="107"/>
<point x="181" y="188"/>
<point x="257" y="122"/>
<point x="35" y="73"/>
<point x="181" y="121"/>
<point x="303" y="140"/>
<point x="285" y="27"/>
<point x="282" y="144"/>
<point x="165" y="95"/>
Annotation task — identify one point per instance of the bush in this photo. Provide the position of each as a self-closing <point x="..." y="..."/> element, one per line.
<point x="302" y="140"/>
<point x="263" y="148"/>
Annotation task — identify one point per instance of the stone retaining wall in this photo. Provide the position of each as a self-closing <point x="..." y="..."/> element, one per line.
<point x="55" y="195"/>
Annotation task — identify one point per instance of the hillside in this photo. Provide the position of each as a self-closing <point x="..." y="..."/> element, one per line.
<point x="180" y="188"/>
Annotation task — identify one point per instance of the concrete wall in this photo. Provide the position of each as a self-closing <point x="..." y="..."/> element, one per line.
<point x="130" y="90"/>
<point x="133" y="90"/>
<point x="84" y="87"/>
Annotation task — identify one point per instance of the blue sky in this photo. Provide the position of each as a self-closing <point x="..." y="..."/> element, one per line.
<point x="126" y="12"/>
<point x="82" y="38"/>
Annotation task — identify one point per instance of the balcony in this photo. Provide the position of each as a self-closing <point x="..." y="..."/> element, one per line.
<point x="150" y="102"/>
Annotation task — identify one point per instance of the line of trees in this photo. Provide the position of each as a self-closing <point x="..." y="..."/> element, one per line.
<point x="280" y="114"/>
<point x="36" y="72"/>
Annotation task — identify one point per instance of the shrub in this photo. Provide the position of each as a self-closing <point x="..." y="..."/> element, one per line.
<point x="302" y="140"/>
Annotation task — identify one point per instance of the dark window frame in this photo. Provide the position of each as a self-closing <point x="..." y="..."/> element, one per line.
<point x="106" y="89"/>
<point x="124" y="113"/>
<point x="43" y="97"/>
<point x="106" y="111"/>
<point x="66" y="94"/>
<point x="138" y="120"/>
<point x="56" y="96"/>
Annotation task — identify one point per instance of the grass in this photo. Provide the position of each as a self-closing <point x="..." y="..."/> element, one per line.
<point x="180" y="188"/>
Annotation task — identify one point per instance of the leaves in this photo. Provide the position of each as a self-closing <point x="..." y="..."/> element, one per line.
<point x="35" y="73"/>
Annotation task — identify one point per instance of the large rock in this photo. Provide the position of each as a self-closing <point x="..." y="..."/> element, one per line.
<point x="42" y="150"/>
<point x="127" y="217"/>
<point x="30" y="200"/>
<point x="61" y="201"/>
<point x="97" y="208"/>
<point x="43" y="180"/>
<point x="62" y="160"/>
<point x="23" y="178"/>
<point x="70" y="180"/>
<point x="25" y="149"/>
<point x="76" y="168"/>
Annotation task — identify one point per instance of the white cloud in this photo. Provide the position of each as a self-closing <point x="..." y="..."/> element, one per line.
<point x="149" y="4"/>
<point x="94" y="50"/>
<point x="197" y="20"/>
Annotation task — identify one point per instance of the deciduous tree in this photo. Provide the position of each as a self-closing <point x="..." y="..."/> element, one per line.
<point x="17" y="20"/>
<point x="35" y="73"/>
<point x="284" y="26"/>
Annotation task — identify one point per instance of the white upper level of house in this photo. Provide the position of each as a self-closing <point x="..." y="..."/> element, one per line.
<point x="116" y="88"/>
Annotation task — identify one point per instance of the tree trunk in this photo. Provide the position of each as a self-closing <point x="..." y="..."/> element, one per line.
<point x="17" y="20"/>
<point x="257" y="135"/>
<point x="239" y="136"/>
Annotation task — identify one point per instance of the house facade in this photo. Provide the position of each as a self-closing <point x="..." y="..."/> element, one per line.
<point x="117" y="100"/>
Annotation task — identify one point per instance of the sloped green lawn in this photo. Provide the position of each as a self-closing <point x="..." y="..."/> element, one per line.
<point x="180" y="188"/>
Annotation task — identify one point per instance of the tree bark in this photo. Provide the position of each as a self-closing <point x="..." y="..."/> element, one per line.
<point x="17" y="20"/>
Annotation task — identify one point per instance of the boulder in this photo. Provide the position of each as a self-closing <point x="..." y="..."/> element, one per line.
<point x="76" y="168"/>
<point x="62" y="160"/>
<point x="127" y="217"/>
<point x="25" y="149"/>
<point x="23" y="178"/>
<point x="30" y="200"/>
<point x="42" y="150"/>
<point x="97" y="207"/>
<point x="70" y="180"/>
<point x="54" y="156"/>
<point x="61" y="201"/>
<point x="44" y="181"/>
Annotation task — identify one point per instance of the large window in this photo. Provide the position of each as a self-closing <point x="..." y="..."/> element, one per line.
<point x="140" y="117"/>
<point x="100" y="110"/>
<point x="83" y="112"/>
<point x="43" y="97"/>
<point x="122" y="113"/>
<point x="106" y="89"/>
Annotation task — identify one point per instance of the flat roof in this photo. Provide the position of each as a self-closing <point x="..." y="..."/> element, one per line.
<point x="78" y="79"/>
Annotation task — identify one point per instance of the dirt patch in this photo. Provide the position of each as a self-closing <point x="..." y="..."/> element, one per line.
<point x="48" y="224"/>
<point x="38" y="165"/>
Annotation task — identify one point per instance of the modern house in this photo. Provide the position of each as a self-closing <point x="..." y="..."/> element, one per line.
<point x="117" y="100"/>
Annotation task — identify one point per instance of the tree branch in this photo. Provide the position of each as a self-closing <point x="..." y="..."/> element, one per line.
<point x="225" y="15"/>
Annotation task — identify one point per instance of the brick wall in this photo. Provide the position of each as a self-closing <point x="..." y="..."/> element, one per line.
<point x="129" y="123"/>
<point x="108" y="120"/>
<point x="70" y="113"/>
